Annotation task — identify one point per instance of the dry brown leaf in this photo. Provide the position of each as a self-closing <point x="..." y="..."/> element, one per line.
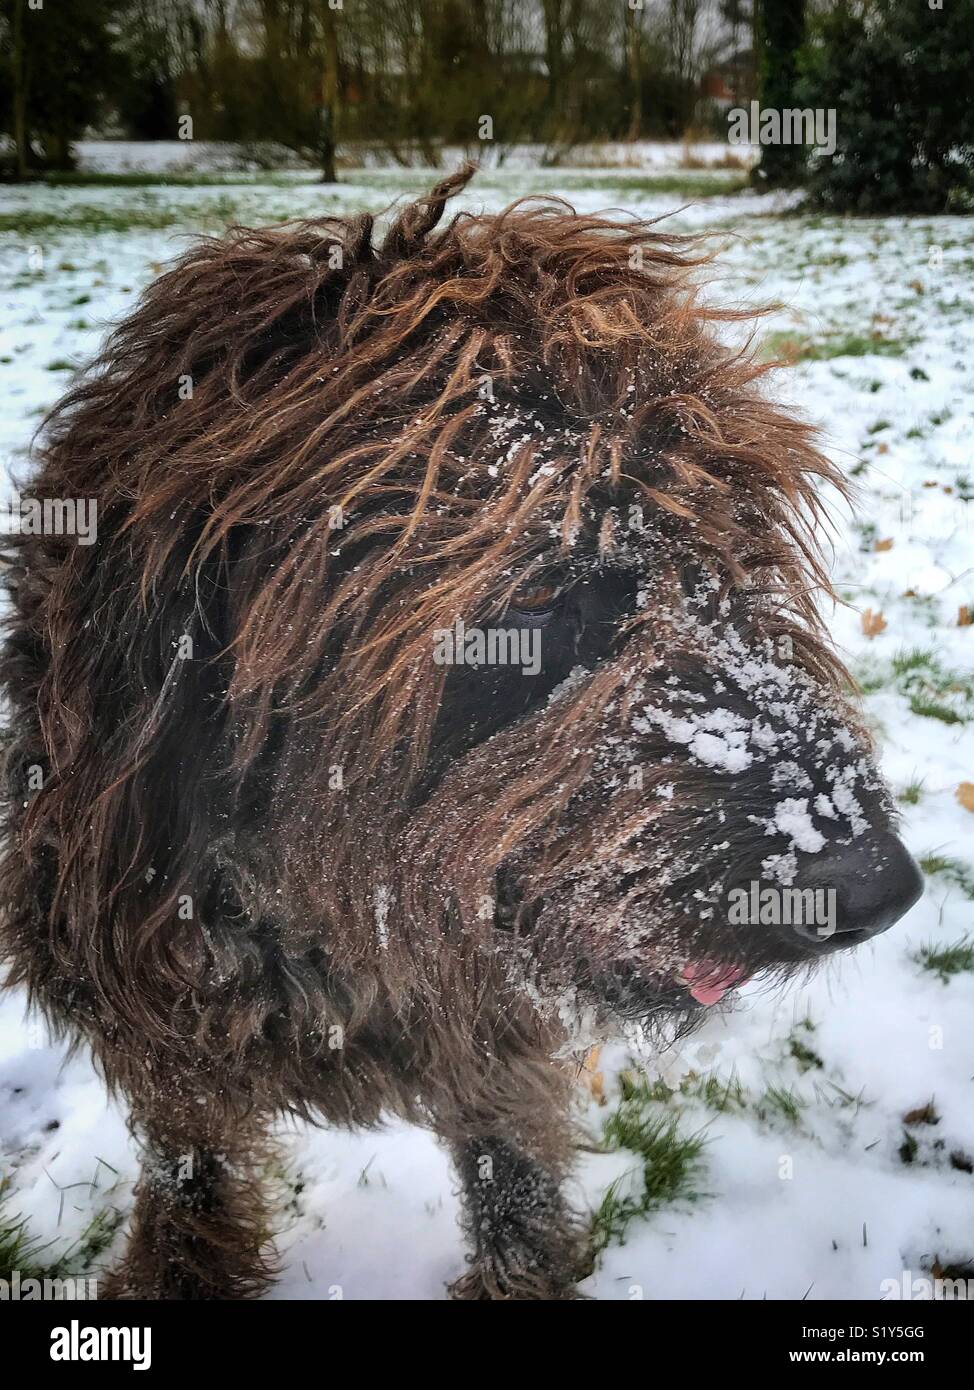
<point x="789" y="350"/>
<point x="951" y="1271"/>
<point x="923" y="1115"/>
<point x="872" y="623"/>
<point x="882" y="448"/>
<point x="884" y="545"/>
<point x="964" y="616"/>
<point x="965" y="795"/>
<point x="592" y="1077"/>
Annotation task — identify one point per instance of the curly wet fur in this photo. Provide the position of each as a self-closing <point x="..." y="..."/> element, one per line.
<point x="246" y="881"/>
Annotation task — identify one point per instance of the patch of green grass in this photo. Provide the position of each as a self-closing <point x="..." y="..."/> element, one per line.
<point x="710" y="1089"/>
<point x="621" y="184"/>
<point x="669" y="1162"/>
<point x="932" y="709"/>
<point x="716" y="1093"/>
<point x="93" y="220"/>
<point x="20" y="1250"/>
<point x="912" y="792"/>
<point x="136" y="179"/>
<point x="846" y="1098"/>
<point x="865" y="345"/>
<point x="916" y="659"/>
<point x="636" y="1086"/>
<point x="868" y="536"/>
<point x="954" y="870"/>
<point x="835" y="258"/>
<point x="878" y="427"/>
<point x="95" y="1240"/>
<point x="947" y="961"/>
<point x="794" y="347"/>
<point x="932" y="690"/>
<point x="687" y="184"/>
<point x="804" y="1056"/>
<point x="909" y="1148"/>
<point x="780" y="1102"/>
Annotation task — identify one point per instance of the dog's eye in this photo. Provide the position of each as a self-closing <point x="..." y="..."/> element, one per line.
<point x="540" y="598"/>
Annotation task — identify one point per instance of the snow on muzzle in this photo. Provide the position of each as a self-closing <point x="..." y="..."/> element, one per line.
<point x="746" y="828"/>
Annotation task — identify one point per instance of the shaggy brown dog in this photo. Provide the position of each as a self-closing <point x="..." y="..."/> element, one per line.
<point x="283" y="837"/>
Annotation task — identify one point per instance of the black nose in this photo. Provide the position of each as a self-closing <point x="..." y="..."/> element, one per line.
<point x="862" y="888"/>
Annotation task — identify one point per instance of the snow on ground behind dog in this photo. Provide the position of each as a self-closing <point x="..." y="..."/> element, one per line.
<point x="821" y="1138"/>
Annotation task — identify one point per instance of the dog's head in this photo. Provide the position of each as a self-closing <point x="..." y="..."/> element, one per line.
<point x="495" y="574"/>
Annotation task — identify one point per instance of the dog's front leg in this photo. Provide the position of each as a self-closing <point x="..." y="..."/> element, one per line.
<point x="513" y="1144"/>
<point x="199" y="1228"/>
<point x="526" y="1242"/>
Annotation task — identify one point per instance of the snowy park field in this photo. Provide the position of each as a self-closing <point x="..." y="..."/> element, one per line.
<point x="813" y="1143"/>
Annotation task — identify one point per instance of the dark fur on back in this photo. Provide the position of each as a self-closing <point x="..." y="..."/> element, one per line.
<point x="273" y="866"/>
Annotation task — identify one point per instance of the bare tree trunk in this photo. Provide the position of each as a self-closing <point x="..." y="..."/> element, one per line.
<point x="780" y="31"/>
<point x="19" y="87"/>
<point x="329" y="96"/>
<point x="554" y="54"/>
<point x="684" y="19"/>
<point x="633" y="69"/>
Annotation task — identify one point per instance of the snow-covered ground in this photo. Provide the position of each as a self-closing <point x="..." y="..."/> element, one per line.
<point x="823" y="1173"/>
<point x="200" y="156"/>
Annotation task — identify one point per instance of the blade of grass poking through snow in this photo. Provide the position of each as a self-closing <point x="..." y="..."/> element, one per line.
<point x="779" y="1102"/>
<point x="36" y="1259"/>
<point x="953" y="871"/>
<point x="796" y="347"/>
<point x="669" y="1166"/>
<point x="946" y="961"/>
<point x="932" y="690"/>
<point x="912" y="792"/>
<point x="19" y="1249"/>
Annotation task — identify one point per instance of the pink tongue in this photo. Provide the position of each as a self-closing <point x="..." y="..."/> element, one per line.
<point x="709" y="981"/>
